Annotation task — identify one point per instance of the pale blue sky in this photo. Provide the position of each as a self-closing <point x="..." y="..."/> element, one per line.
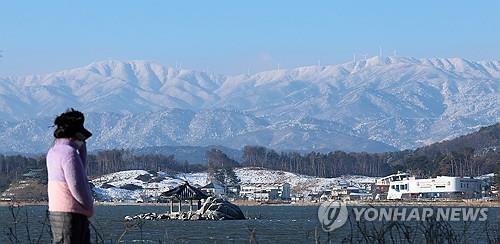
<point x="229" y="37"/>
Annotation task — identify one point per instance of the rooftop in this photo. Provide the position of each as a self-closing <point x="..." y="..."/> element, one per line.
<point x="185" y="192"/>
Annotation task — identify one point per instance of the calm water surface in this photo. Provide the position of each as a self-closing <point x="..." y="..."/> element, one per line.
<point x="268" y="224"/>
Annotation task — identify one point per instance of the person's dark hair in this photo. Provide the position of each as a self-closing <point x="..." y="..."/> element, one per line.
<point x="70" y="125"/>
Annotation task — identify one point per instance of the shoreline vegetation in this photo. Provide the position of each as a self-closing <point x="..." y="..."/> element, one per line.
<point x="437" y="203"/>
<point x="21" y="229"/>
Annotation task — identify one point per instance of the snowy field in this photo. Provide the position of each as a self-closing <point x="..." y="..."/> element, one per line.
<point x="108" y="187"/>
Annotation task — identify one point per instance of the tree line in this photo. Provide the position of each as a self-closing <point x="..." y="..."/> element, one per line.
<point x="462" y="162"/>
<point x="110" y="161"/>
<point x="12" y="168"/>
<point x="470" y="155"/>
<point x="103" y="162"/>
<point x="317" y="164"/>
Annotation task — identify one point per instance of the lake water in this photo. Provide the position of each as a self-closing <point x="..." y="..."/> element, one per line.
<point x="268" y="224"/>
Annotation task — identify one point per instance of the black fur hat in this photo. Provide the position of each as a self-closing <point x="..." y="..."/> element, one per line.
<point x="70" y="125"/>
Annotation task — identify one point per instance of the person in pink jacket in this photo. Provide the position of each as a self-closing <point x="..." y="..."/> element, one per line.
<point x="70" y="197"/>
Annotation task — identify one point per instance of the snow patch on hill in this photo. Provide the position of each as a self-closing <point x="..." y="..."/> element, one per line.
<point x="301" y="184"/>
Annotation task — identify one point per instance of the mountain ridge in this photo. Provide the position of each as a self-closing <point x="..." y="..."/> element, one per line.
<point x="398" y="101"/>
<point x="178" y="127"/>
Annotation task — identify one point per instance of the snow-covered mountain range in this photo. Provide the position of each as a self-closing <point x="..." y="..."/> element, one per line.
<point x="176" y="127"/>
<point x="377" y="104"/>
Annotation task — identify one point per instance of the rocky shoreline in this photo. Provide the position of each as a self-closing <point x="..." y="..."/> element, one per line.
<point x="212" y="209"/>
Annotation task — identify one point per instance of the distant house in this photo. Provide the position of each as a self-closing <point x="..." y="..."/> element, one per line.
<point x="488" y="188"/>
<point x="297" y="198"/>
<point x="270" y="191"/>
<point x="33" y="173"/>
<point x="344" y="192"/>
<point x="265" y="195"/>
<point x="213" y="189"/>
<point x="314" y="196"/>
<point x="233" y="191"/>
<point x="367" y="185"/>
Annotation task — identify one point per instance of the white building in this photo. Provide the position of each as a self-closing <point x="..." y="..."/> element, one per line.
<point x="385" y="181"/>
<point x="439" y="187"/>
<point x="382" y="184"/>
<point x="256" y="191"/>
<point x="266" y="195"/>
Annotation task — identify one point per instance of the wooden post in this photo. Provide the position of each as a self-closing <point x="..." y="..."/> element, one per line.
<point x="171" y="205"/>
<point x="180" y="206"/>
<point x="191" y="205"/>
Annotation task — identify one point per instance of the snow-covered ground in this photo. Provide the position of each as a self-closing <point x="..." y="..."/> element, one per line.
<point x="301" y="184"/>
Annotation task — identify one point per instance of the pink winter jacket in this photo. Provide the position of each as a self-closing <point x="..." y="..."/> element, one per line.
<point x="68" y="186"/>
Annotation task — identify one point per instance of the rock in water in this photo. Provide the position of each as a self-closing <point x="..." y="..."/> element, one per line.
<point x="212" y="209"/>
<point x="220" y="209"/>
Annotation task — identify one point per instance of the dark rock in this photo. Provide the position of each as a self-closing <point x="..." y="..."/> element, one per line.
<point x="220" y="209"/>
<point x="131" y="187"/>
<point x="107" y="185"/>
<point x="144" y="177"/>
<point x="163" y="216"/>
